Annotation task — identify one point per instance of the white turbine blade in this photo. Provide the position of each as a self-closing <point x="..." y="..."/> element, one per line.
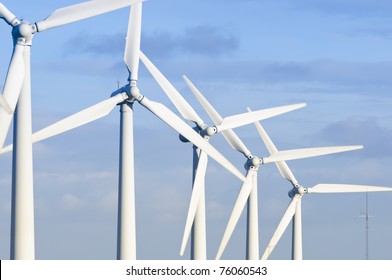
<point x="251" y="117"/>
<point x="345" y="188"/>
<point x="236" y="143"/>
<point x="230" y="136"/>
<point x="6" y="149"/>
<point x="12" y="87"/>
<point x="14" y="80"/>
<point x="284" y="222"/>
<point x="305" y="153"/>
<point x="6" y="14"/>
<point x="236" y="213"/>
<point x="282" y="166"/>
<point x="162" y="112"/>
<point x="198" y="186"/>
<point x="266" y="139"/>
<point x="214" y="115"/>
<point x="132" y="46"/>
<point x="176" y="98"/>
<point x="85" y="116"/>
<point x="81" y="11"/>
<point x="5" y="106"/>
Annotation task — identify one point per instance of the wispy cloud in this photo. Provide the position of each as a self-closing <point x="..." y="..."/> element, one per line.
<point x="381" y="32"/>
<point x="200" y="40"/>
<point x="71" y="202"/>
<point x="321" y="75"/>
<point x="367" y="132"/>
<point x="103" y="44"/>
<point x="209" y="41"/>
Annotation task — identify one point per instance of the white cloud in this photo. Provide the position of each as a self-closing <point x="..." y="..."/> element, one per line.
<point x="72" y="203"/>
<point x="109" y="202"/>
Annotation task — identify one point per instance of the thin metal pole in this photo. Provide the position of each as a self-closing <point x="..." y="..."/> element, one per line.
<point x="367" y="217"/>
<point x="367" y="229"/>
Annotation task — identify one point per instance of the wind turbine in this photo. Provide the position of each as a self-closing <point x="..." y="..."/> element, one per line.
<point x="126" y="97"/>
<point x="196" y="213"/>
<point x="249" y="187"/>
<point x="16" y="98"/>
<point x="294" y="211"/>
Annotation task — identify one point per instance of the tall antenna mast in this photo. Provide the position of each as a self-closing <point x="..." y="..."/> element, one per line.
<point x="366" y="216"/>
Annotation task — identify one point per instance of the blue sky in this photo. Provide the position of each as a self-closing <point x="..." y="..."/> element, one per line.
<point x="333" y="55"/>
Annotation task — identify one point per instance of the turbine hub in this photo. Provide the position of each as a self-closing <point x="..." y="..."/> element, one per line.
<point x="301" y="190"/>
<point x="23" y="32"/>
<point x="211" y="130"/>
<point x="253" y="163"/>
<point x="134" y="92"/>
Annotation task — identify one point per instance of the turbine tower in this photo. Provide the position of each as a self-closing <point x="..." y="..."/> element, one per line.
<point x="16" y="101"/>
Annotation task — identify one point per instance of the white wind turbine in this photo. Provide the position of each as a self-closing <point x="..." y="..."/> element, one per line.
<point x="293" y="211"/>
<point x="17" y="91"/>
<point x="196" y="213"/>
<point x="126" y="96"/>
<point x="248" y="191"/>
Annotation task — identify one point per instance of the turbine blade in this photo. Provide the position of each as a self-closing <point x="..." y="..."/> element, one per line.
<point x="282" y="166"/>
<point x="5" y="106"/>
<point x="81" y="11"/>
<point x="85" y="116"/>
<point x="214" y="115"/>
<point x="198" y="185"/>
<point x="176" y="98"/>
<point x="230" y="136"/>
<point x="305" y="153"/>
<point x="236" y="143"/>
<point x="345" y="188"/>
<point x="7" y="15"/>
<point x="264" y="136"/>
<point x="284" y="222"/>
<point x="162" y="112"/>
<point x="239" y="205"/>
<point x="251" y="117"/>
<point x="132" y="46"/>
<point x="12" y="87"/>
<point x="6" y="149"/>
